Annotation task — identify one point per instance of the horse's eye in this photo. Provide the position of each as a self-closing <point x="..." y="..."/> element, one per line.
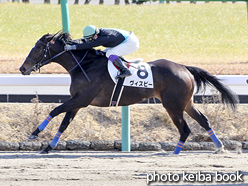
<point x="38" y="49"/>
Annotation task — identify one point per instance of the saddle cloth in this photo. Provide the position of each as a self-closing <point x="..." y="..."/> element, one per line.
<point x="141" y="75"/>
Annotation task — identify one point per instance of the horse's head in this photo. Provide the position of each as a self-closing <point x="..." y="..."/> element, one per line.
<point x="41" y="53"/>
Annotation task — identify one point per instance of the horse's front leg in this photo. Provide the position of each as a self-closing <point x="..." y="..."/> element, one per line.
<point x="41" y="127"/>
<point x="66" y="121"/>
<point x="68" y="106"/>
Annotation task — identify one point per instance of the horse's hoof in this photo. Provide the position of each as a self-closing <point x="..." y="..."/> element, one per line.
<point x="32" y="137"/>
<point x="44" y="152"/>
<point x="220" y="150"/>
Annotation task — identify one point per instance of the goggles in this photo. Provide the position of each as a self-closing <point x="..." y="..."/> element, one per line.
<point x="89" y="40"/>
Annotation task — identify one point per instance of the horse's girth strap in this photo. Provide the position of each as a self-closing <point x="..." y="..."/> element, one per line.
<point x="117" y="92"/>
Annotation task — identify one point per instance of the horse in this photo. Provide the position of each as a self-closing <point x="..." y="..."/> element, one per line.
<point x="91" y="84"/>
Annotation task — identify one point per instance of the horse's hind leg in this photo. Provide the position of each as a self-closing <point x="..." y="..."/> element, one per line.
<point x="66" y="121"/>
<point x="175" y="105"/>
<point x="182" y="126"/>
<point x="203" y="121"/>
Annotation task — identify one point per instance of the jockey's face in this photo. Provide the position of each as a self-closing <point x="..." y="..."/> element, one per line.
<point x="92" y="38"/>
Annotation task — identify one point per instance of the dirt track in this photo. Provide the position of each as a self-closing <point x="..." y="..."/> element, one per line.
<point x="117" y="168"/>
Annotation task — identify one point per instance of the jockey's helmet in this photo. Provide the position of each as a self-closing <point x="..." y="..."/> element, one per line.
<point x="90" y="31"/>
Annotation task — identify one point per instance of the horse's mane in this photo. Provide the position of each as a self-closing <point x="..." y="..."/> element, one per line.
<point x="67" y="38"/>
<point x="63" y="37"/>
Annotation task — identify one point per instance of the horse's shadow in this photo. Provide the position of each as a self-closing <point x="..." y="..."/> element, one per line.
<point x="56" y="154"/>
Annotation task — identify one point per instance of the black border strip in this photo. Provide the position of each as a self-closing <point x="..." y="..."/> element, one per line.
<point x="26" y="98"/>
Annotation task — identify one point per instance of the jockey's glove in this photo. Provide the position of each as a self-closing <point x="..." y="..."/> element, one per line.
<point x="70" y="47"/>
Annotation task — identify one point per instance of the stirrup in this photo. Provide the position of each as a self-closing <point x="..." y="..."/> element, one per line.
<point x="126" y="73"/>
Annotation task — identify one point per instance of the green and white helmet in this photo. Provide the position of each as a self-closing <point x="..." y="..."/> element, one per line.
<point x="90" y="31"/>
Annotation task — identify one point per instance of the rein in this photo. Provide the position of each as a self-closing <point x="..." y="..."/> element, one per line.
<point x="40" y="64"/>
<point x="78" y="63"/>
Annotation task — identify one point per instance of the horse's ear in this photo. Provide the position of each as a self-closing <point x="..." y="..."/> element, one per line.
<point x="49" y="38"/>
<point x="45" y="38"/>
<point x="52" y="37"/>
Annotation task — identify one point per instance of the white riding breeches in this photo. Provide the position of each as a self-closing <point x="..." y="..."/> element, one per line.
<point x="130" y="45"/>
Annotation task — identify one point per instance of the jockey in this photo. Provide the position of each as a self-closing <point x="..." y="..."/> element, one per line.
<point x="117" y="42"/>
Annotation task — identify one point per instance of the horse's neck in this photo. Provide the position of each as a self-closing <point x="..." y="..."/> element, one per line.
<point x="71" y="61"/>
<point x="66" y="61"/>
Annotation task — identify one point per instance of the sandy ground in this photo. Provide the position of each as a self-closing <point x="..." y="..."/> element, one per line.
<point x="118" y="168"/>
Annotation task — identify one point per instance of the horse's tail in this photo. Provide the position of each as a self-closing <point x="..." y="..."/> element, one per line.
<point x="202" y="77"/>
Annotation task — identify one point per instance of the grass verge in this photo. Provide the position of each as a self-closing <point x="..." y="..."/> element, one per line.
<point x="149" y="123"/>
<point x="212" y="36"/>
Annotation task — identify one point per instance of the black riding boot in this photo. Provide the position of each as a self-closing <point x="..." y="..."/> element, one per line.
<point x="123" y="69"/>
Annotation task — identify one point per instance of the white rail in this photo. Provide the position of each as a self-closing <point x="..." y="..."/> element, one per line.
<point x="234" y="80"/>
<point x="35" y="80"/>
<point x="64" y="80"/>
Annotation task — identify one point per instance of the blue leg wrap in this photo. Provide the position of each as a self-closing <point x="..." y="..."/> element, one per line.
<point x="178" y="147"/>
<point x="214" y="138"/>
<point x="55" y="140"/>
<point x="43" y="125"/>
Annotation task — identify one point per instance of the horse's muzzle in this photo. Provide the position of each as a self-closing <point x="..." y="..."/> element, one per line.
<point x="24" y="71"/>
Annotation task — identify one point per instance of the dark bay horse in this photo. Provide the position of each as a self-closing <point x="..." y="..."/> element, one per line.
<point x="91" y="84"/>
